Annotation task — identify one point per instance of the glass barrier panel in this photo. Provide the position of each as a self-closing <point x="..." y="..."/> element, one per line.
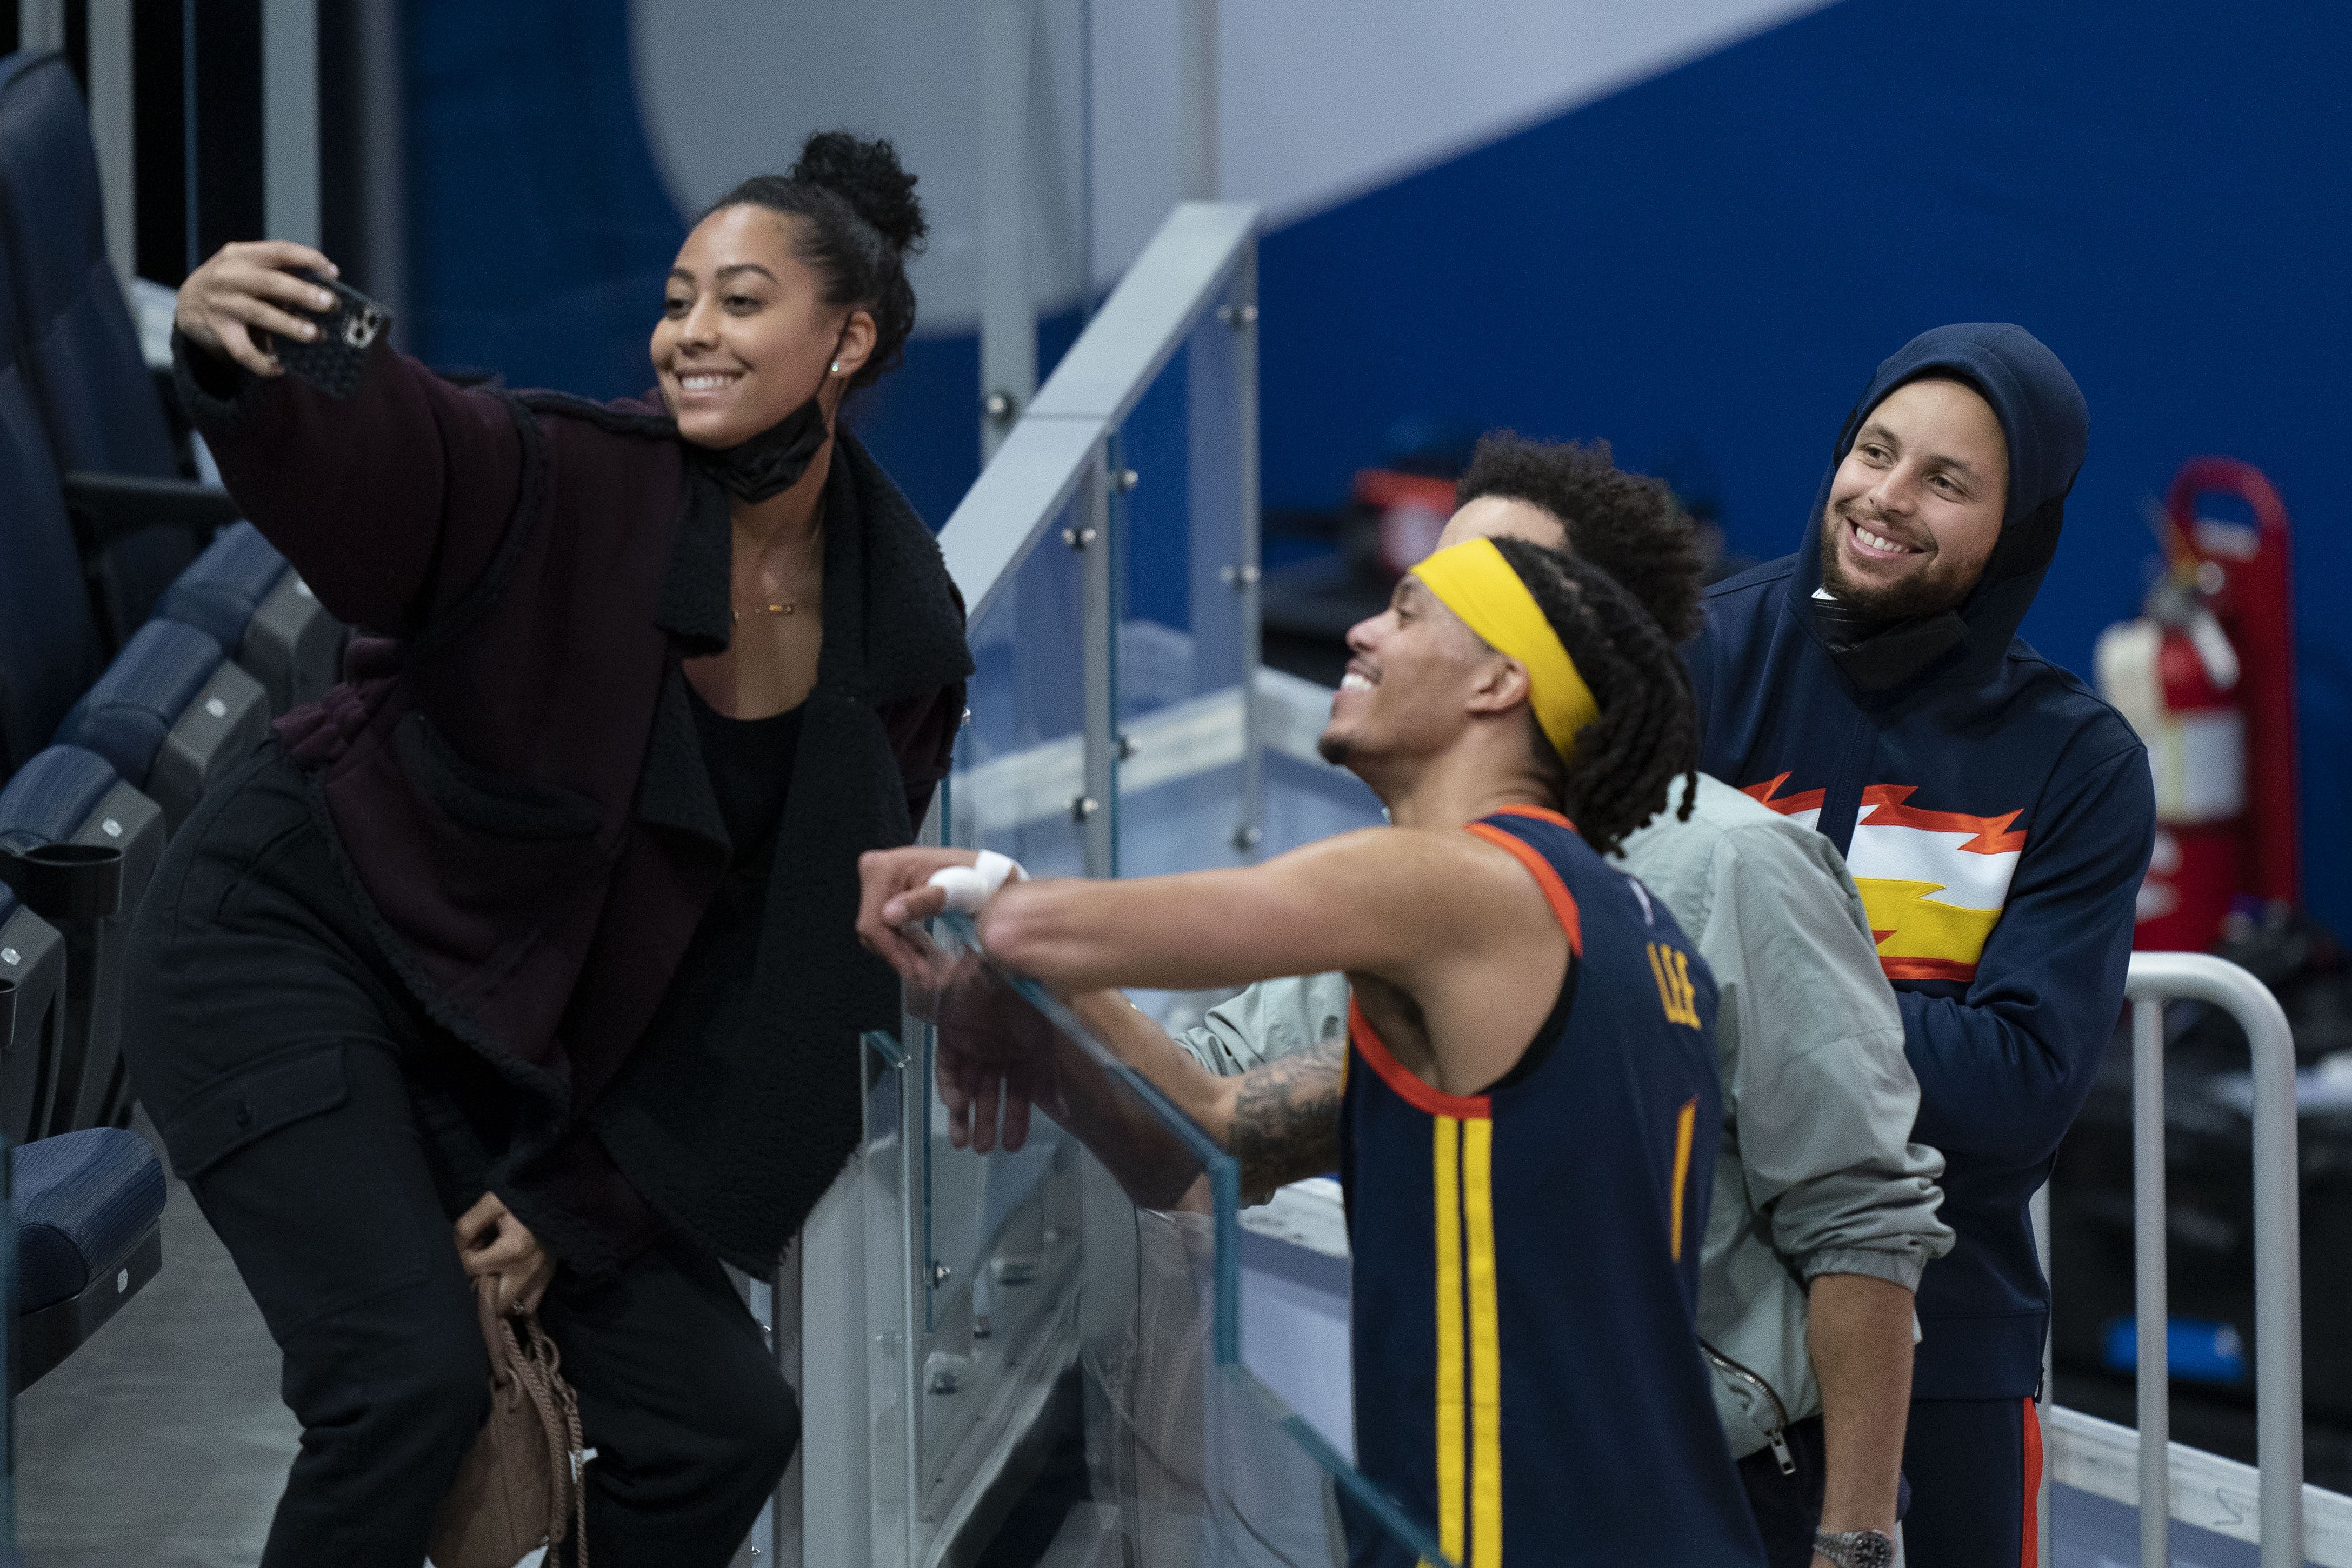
<point x="1182" y="704"/>
<point x="1198" y="784"/>
<point x="996" y="1232"/>
<point x="1193" y="1460"/>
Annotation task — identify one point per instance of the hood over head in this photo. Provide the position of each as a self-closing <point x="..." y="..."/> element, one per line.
<point x="2048" y="427"/>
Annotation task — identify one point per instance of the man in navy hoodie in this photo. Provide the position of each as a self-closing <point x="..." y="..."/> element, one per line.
<point x="1997" y="816"/>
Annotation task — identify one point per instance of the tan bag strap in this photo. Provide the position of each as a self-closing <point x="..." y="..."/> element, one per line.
<point x="537" y="1368"/>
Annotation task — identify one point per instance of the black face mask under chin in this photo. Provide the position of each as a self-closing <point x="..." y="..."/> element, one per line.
<point x="1875" y="654"/>
<point x="771" y="462"/>
<point x="1875" y="649"/>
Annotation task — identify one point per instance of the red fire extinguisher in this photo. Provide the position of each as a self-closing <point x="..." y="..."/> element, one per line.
<point x="2206" y="677"/>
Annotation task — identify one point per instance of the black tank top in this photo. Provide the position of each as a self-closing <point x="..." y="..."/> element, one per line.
<point x="750" y="766"/>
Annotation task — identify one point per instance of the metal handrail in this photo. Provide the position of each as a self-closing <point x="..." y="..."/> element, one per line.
<point x="2154" y="979"/>
<point x="1195" y="259"/>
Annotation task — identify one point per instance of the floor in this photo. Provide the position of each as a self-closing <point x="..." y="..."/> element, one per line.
<point x="163" y="1440"/>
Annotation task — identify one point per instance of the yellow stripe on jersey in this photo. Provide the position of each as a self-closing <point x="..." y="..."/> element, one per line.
<point x="1451" y="1510"/>
<point x="1685" y="1125"/>
<point x="1486" y="1349"/>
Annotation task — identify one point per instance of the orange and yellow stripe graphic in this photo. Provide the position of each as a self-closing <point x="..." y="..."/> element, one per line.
<point x="1933" y="882"/>
<point x="1469" y="1346"/>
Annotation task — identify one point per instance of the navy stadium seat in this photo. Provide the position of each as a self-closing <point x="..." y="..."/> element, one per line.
<point x="48" y="644"/>
<point x="67" y="803"/>
<point x="139" y="520"/>
<point x="32" y="1017"/>
<point x="88" y="1217"/>
<point x="48" y="647"/>
<point x="76" y="331"/>
<point x="168" y="714"/>
<point x="171" y="711"/>
<point x="242" y="594"/>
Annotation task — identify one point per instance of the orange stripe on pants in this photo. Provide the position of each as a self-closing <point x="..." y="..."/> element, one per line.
<point x="2029" y="1552"/>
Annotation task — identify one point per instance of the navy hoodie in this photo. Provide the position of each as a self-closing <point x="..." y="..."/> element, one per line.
<point x="1998" y="818"/>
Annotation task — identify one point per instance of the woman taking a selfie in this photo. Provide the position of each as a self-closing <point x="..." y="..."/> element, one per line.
<point x="541" y="925"/>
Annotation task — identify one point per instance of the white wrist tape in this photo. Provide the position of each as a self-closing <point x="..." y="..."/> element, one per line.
<point x="968" y="887"/>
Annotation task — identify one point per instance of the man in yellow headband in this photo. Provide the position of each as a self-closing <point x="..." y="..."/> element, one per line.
<point x="1825" y="1213"/>
<point x="1532" y="1059"/>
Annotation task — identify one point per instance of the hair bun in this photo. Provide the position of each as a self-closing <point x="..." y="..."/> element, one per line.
<point x="869" y="177"/>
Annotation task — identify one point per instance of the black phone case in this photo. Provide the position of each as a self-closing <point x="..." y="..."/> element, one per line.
<point x="331" y="362"/>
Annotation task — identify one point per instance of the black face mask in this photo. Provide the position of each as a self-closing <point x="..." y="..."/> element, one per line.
<point x="772" y="462"/>
<point x="1875" y="654"/>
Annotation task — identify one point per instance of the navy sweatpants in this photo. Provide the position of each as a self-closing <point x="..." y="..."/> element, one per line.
<point x="1975" y="1469"/>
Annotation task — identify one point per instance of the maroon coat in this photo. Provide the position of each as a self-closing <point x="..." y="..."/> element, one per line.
<point x="517" y="789"/>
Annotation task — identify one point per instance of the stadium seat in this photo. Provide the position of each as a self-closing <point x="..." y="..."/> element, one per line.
<point x="32" y="1017"/>
<point x="242" y="594"/>
<point x="139" y="520"/>
<point x="74" y="330"/>
<point x="65" y="820"/>
<point x="48" y="648"/>
<point x="171" y="675"/>
<point x="169" y="713"/>
<point x="89" y="1217"/>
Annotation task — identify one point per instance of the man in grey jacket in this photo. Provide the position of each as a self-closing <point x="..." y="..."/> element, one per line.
<point x="1823" y="1213"/>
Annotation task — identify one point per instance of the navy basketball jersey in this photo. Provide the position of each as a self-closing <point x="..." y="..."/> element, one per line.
<point x="1527" y="1371"/>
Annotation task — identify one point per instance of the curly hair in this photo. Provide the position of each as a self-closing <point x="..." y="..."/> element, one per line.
<point x="864" y="222"/>
<point x="1625" y="763"/>
<point x="1625" y="524"/>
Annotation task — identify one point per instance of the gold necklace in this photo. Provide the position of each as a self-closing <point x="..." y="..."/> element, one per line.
<point x="787" y="607"/>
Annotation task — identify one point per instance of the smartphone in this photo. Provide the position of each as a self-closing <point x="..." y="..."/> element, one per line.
<point x="331" y="360"/>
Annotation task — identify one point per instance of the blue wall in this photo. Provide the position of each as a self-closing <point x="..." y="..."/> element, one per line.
<point x="1714" y="260"/>
<point x="1703" y="268"/>
<point x="540" y="231"/>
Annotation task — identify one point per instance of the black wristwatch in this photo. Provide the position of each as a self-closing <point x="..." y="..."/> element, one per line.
<point x="1856" y="1548"/>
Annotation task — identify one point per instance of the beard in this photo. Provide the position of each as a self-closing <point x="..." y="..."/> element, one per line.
<point x="1921" y="592"/>
<point x="1333" y="748"/>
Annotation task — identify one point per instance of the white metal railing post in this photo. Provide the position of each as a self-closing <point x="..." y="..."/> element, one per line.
<point x="40" y="23"/>
<point x="1090" y="535"/>
<point x="1196" y="48"/>
<point x="1244" y="319"/>
<point x="112" y="129"/>
<point x="1008" y="311"/>
<point x="2037" y="1208"/>
<point x="2156" y="977"/>
<point x="289" y="120"/>
<point x="2148" y="1290"/>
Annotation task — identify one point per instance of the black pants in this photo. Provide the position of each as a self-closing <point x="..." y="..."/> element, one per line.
<point x="1788" y="1508"/>
<point x="1976" y="1466"/>
<point x="331" y="1132"/>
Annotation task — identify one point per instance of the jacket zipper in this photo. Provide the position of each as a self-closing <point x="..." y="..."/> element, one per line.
<point x="1777" y="1437"/>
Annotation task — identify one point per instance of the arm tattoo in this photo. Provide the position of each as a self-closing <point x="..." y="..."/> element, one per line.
<point x="1287" y="1118"/>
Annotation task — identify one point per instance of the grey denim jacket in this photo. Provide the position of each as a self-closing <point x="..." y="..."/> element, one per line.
<point x="1817" y="1173"/>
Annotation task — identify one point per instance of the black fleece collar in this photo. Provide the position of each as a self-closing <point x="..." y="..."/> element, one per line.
<point x="893" y="620"/>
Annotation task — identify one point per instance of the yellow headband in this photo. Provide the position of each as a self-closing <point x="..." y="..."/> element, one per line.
<point x="1474" y="580"/>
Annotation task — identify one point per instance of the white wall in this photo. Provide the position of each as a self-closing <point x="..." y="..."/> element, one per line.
<point x="1320" y="100"/>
